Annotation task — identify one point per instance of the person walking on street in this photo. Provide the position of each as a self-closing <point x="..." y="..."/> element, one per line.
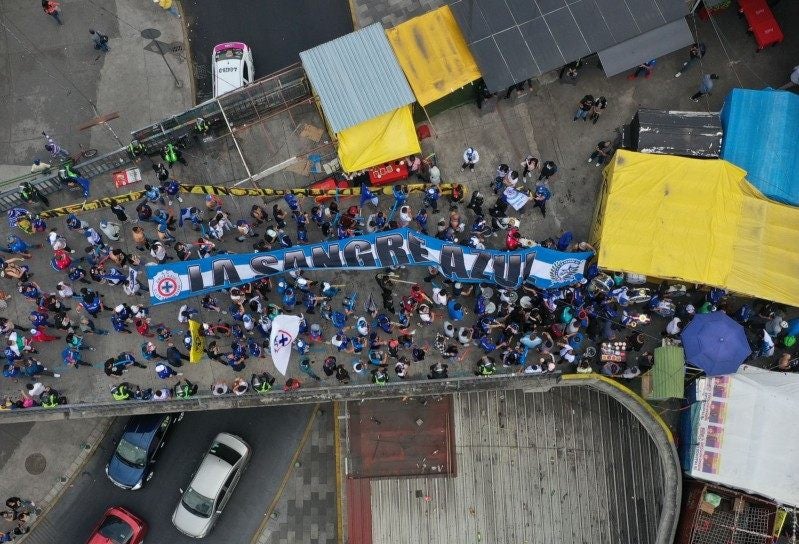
<point x="548" y="170"/>
<point x="51" y="8"/>
<point x="56" y="151"/>
<point x="542" y="194"/>
<point x="696" y="52"/>
<point x="705" y="87"/>
<point x="599" y="104"/>
<point x="470" y="158"/>
<point x="603" y="151"/>
<point x="100" y="41"/>
<point x="584" y="108"/>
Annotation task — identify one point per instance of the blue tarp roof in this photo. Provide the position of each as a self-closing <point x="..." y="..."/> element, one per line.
<point x="760" y="135"/>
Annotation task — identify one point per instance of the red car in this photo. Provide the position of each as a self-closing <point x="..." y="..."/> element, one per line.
<point x="119" y="526"/>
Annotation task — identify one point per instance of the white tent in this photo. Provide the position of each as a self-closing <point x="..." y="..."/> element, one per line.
<point x="744" y="433"/>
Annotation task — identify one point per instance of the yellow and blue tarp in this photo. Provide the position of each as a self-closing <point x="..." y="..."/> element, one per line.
<point x="698" y="221"/>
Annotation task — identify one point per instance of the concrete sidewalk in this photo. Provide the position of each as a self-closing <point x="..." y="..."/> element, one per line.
<point x="38" y="460"/>
<point x="56" y="81"/>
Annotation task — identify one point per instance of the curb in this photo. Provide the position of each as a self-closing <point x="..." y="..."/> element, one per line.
<point x="91" y="445"/>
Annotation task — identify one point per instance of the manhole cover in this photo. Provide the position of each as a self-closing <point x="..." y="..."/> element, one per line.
<point x="150" y="33"/>
<point x="35" y="464"/>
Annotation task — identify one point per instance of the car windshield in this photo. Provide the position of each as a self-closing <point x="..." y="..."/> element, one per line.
<point x="116" y="530"/>
<point x="230" y="54"/>
<point x="197" y="504"/>
<point x="226" y="453"/>
<point x="131" y="455"/>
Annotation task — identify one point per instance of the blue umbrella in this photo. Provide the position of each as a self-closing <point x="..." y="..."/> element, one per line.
<point x="715" y="343"/>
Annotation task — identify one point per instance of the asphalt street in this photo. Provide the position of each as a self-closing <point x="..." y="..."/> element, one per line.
<point x="273" y="434"/>
<point x="276" y="30"/>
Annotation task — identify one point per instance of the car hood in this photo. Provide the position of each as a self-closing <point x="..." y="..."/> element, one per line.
<point x="189" y="524"/>
<point x="122" y="473"/>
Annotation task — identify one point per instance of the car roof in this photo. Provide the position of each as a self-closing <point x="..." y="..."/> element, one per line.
<point x="140" y="430"/>
<point x="214" y="470"/>
<point x="231" y="45"/>
<point x="210" y="476"/>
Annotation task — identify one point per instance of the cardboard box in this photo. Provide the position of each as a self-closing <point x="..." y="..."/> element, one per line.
<point x="706" y="507"/>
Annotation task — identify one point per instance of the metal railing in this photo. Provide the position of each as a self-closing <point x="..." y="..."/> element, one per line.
<point x="304" y="395"/>
<point x="241" y="107"/>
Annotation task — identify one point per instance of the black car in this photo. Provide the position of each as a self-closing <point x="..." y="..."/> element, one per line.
<point x="132" y="461"/>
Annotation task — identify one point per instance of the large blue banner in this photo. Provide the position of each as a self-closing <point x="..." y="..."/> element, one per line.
<point x="547" y="268"/>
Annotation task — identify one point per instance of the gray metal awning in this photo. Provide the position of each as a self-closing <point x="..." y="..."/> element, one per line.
<point x="513" y="40"/>
<point x="649" y="45"/>
<point x="357" y="77"/>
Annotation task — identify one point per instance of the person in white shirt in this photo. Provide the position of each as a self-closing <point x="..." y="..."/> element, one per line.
<point x="162" y="394"/>
<point x="673" y="327"/>
<point x="405" y="216"/>
<point x="39" y="166"/>
<point x="34" y="389"/>
<point x="470" y="158"/>
<point x="64" y="290"/>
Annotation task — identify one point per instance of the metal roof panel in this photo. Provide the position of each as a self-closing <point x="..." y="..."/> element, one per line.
<point x="357" y="77"/>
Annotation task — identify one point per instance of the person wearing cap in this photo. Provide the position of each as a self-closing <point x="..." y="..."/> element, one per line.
<point x="470" y="158"/>
<point x="39" y="166"/>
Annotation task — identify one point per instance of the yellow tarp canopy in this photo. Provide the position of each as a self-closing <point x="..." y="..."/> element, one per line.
<point x="382" y="139"/>
<point x="433" y="54"/>
<point x="698" y="221"/>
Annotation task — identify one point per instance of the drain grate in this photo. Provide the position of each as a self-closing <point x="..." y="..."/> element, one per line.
<point x="35" y="463"/>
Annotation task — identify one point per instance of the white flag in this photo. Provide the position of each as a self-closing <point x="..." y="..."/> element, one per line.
<point x="284" y="331"/>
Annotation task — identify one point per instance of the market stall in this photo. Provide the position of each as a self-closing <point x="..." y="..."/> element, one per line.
<point x="698" y="221"/>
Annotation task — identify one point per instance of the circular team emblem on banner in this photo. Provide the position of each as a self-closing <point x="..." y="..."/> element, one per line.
<point x="166" y="285"/>
<point x="565" y="271"/>
<point x="283" y="339"/>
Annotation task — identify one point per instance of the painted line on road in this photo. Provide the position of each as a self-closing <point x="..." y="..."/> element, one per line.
<point x="279" y="493"/>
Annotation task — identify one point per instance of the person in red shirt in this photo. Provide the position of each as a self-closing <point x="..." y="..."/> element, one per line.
<point x="51" y="8"/>
<point x="512" y="239"/>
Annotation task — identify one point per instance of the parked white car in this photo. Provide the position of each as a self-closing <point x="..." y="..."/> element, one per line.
<point x="231" y="64"/>
<point x="211" y="486"/>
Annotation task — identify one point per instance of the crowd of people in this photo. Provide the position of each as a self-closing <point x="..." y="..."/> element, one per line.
<point x="19" y="515"/>
<point x="480" y="327"/>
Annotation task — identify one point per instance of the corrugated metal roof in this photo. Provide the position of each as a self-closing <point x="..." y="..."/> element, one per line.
<point x="357" y="77"/>
<point x="513" y="40"/>
<point x="687" y="133"/>
<point x="570" y="465"/>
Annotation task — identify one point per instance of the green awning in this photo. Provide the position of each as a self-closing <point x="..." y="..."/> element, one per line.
<point x="667" y="377"/>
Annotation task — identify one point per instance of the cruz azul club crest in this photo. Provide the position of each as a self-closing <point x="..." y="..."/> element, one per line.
<point x="166" y="285"/>
<point x="283" y="339"/>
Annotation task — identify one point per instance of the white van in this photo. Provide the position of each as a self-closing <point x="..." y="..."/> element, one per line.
<point x="231" y="64"/>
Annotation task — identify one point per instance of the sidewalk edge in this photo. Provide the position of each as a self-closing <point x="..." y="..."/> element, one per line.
<point x="51" y="499"/>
